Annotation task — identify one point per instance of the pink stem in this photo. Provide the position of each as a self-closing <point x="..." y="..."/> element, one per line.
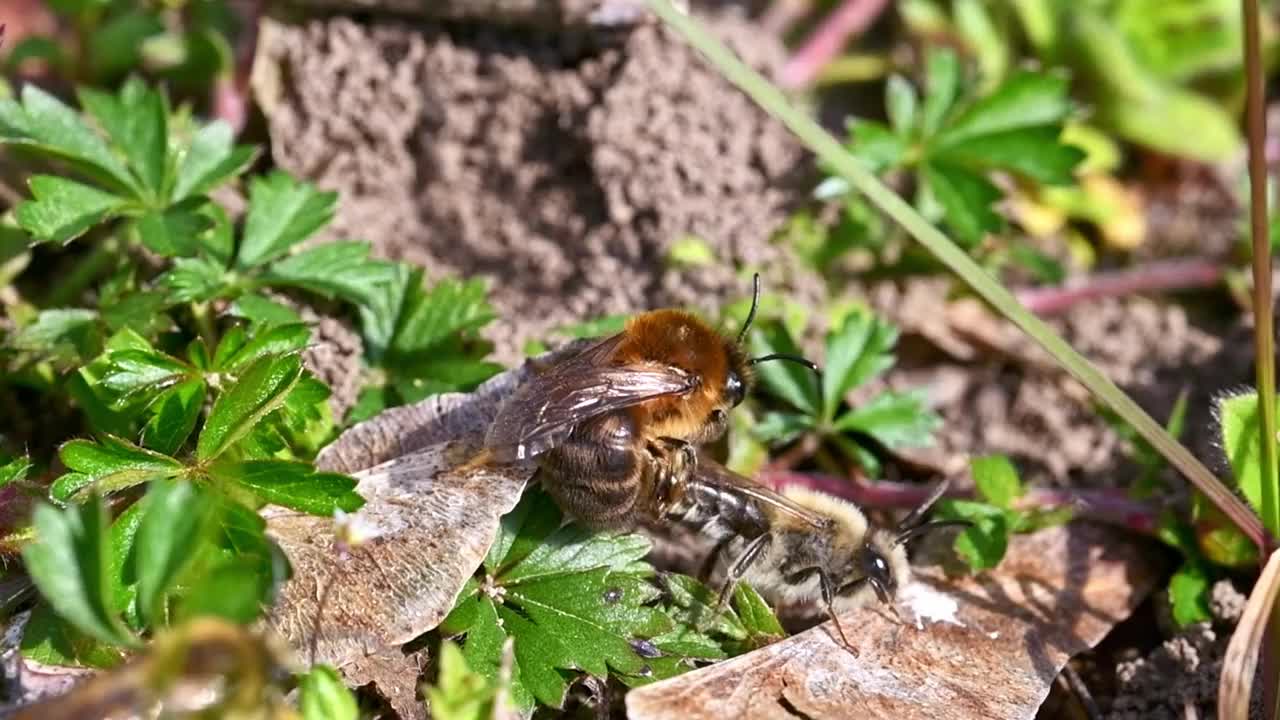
<point x="1156" y="276"/>
<point x="1109" y="506"/>
<point x="231" y="92"/>
<point x="851" y="18"/>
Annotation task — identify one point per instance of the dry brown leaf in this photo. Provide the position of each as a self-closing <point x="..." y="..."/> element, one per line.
<point x="990" y="656"/>
<point x="429" y="524"/>
<point x="1235" y="690"/>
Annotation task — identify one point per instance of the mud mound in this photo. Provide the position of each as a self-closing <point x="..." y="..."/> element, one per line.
<point x="563" y="173"/>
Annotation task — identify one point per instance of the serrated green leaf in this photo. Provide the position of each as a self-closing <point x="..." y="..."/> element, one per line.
<point x="282" y="213"/>
<point x="1189" y="594"/>
<point x="169" y="538"/>
<point x="294" y="485"/>
<point x="1026" y="100"/>
<point x="112" y="464"/>
<point x="262" y="388"/>
<point x="338" y="269"/>
<point x="791" y="382"/>
<point x="51" y="640"/>
<point x="196" y="279"/>
<point x="44" y="124"/>
<point x="521" y="531"/>
<point x="874" y="144"/>
<point x="211" y="159"/>
<point x="859" y="349"/>
<point x="137" y="121"/>
<point x="756" y="615"/>
<point x="894" y="419"/>
<point x="62" y="332"/>
<point x="63" y="209"/>
<point x="574" y="549"/>
<point x="432" y="319"/>
<point x="124" y="578"/>
<point x="263" y="312"/>
<point x="133" y="371"/>
<point x="1034" y="152"/>
<point x="941" y="88"/>
<point x="174" y="231"/>
<point x="966" y="199"/>
<point x="70" y="564"/>
<point x="996" y="479"/>
<point x="143" y="311"/>
<point x="323" y="696"/>
<point x="279" y="340"/>
<point x="983" y="544"/>
<point x="14" y="470"/>
<point x="1239" y="422"/>
<point x="900" y="103"/>
<point x="781" y="427"/>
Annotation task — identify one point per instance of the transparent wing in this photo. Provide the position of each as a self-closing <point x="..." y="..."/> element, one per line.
<point x="546" y="408"/>
<point x="713" y="473"/>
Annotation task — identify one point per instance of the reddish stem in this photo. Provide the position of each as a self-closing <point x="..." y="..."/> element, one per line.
<point x="231" y="91"/>
<point x="1155" y="276"/>
<point x="1109" y="506"/>
<point x="851" y="18"/>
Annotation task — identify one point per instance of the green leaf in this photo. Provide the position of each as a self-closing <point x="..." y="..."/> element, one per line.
<point x="111" y="465"/>
<point x="170" y="536"/>
<point x="134" y="371"/>
<point x="874" y="144"/>
<point x="900" y="102"/>
<point x="791" y="382"/>
<point x="279" y="340"/>
<point x="323" y="696"/>
<point x="124" y="577"/>
<point x="966" y="199"/>
<point x="211" y="159"/>
<point x="294" y="485"/>
<point x="263" y="312"/>
<point x="757" y="617"/>
<point x="282" y="213"/>
<point x="459" y="693"/>
<point x="1033" y="152"/>
<point x="143" y="311"/>
<point x="338" y="269"/>
<point x="690" y="251"/>
<point x="1240" y="423"/>
<point x="52" y="640"/>
<point x="196" y="279"/>
<point x="894" y="419"/>
<point x="261" y="389"/>
<point x="14" y="470"/>
<point x="1189" y="594"/>
<point x="69" y="563"/>
<point x="859" y="349"/>
<point x="137" y="120"/>
<point x="1025" y="100"/>
<point x="781" y="427"/>
<point x="44" y="124"/>
<point x="941" y="88"/>
<point x="113" y="48"/>
<point x="63" y="209"/>
<point x="62" y="332"/>
<point x="996" y="479"/>
<point x="599" y="327"/>
<point x="174" y="231"/>
<point x="983" y="544"/>
<point x="174" y="417"/>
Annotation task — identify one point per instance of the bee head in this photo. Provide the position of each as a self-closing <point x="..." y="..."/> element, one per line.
<point x="874" y="566"/>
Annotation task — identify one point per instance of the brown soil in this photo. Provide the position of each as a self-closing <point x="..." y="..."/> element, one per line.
<point x="562" y="174"/>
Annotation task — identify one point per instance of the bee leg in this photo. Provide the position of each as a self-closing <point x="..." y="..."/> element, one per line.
<point x="709" y="564"/>
<point x="673" y="462"/>
<point x="828" y="597"/>
<point x="750" y="554"/>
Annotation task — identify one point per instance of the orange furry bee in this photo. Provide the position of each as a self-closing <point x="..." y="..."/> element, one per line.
<point x="615" y="428"/>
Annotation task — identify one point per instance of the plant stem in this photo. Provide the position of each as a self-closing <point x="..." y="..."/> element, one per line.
<point x="850" y="18"/>
<point x="204" y="324"/>
<point x="1180" y="274"/>
<point x="1113" y="507"/>
<point x="83" y="273"/>
<point x="1263" y="326"/>
<point x="834" y="155"/>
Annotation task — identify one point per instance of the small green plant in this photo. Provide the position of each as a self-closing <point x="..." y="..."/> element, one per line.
<point x="322" y="695"/>
<point x="951" y="142"/>
<point x="578" y="601"/>
<point x="859" y="348"/>
<point x="460" y="693"/>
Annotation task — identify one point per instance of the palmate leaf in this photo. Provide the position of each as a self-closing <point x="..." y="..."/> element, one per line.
<point x="137" y="121"/>
<point x="65" y="209"/>
<point x="572" y="600"/>
<point x="261" y="389"/>
<point x="109" y="465"/>
<point x="282" y="213"/>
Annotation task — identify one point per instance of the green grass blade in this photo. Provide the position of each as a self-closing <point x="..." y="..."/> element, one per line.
<point x="829" y="150"/>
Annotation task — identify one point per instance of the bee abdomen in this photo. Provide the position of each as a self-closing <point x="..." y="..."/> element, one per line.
<point x="718" y="513"/>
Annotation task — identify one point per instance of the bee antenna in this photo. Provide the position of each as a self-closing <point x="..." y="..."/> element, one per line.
<point x="906" y="535"/>
<point x="915" y="517"/>
<point x="755" y="303"/>
<point x="789" y="358"/>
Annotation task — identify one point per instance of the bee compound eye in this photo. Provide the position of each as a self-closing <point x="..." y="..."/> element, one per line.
<point x="734" y="388"/>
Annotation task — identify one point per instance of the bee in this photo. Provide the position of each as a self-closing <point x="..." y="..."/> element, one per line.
<point x="798" y="545"/>
<point x="615" y="428"/>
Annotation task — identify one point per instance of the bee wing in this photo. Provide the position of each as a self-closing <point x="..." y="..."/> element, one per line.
<point x="546" y="408"/>
<point x="713" y="473"/>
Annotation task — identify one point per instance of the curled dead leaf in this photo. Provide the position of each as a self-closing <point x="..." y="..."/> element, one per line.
<point x="1240" y="665"/>
<point x="987" y="647"/>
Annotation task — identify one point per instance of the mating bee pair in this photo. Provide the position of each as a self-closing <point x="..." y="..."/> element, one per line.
<point x="615" y="430"/>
